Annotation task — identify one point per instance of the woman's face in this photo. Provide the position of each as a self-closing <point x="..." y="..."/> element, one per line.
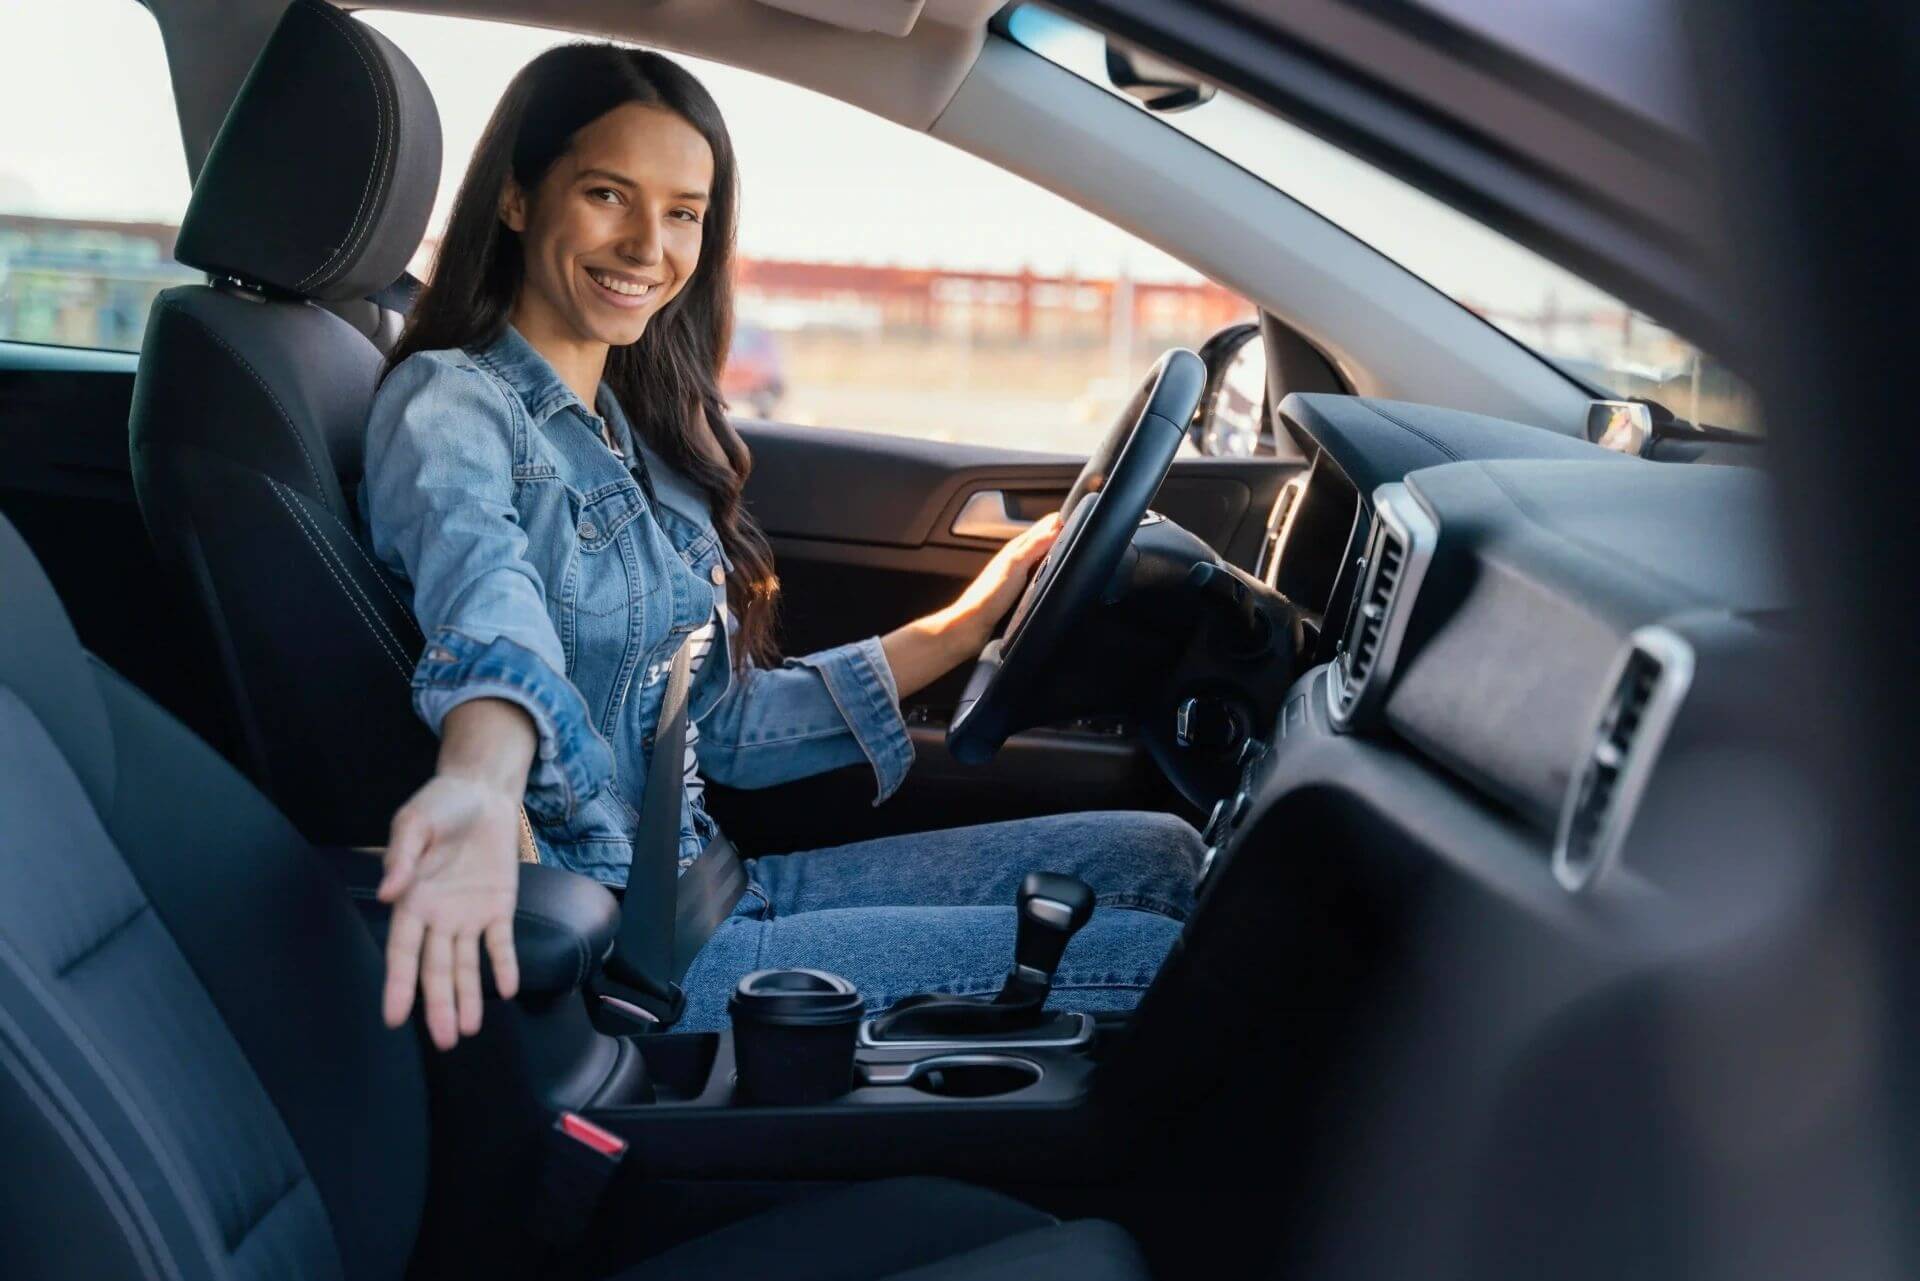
<point x="613" y="231"/>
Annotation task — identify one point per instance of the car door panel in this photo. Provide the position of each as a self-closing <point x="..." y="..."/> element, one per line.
<point x="862" y="530"/>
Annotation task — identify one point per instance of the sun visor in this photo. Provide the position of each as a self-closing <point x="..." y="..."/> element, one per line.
<point x="887" y="17"/>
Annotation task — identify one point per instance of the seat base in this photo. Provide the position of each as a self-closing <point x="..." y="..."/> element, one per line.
<point x="912" y="1229"/>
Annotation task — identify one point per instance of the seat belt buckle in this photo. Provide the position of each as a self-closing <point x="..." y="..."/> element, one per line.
<point x="577" y="1167"/>
<point x="623" y="1007"/>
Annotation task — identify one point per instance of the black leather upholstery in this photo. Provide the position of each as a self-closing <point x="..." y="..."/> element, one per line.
<point x="249" y="413"/>
<point x="321" y="178"/>
<point x="194" y="1081"/>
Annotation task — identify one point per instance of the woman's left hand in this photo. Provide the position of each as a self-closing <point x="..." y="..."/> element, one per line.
<point x="928" y="648"/>
<point x="989" y="596"/>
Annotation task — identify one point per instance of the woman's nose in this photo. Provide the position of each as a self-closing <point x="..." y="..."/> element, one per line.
<point x="641" y="245"/>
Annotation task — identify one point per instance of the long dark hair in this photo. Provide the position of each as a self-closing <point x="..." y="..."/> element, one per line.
<point x="673" y="371"/>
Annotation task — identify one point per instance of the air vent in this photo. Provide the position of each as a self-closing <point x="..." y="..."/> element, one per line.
<point x="1396" y="560"/>
<point x="1646" y="690"/>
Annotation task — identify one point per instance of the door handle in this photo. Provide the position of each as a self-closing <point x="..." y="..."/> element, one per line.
<point x="985" y="515"/>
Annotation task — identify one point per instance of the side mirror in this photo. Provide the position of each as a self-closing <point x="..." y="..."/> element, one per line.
<point x="1160" y="86"/>
<point x="1232" y="421"/>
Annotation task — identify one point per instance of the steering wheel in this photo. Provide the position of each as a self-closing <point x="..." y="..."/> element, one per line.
<point x="1107" y="503"/>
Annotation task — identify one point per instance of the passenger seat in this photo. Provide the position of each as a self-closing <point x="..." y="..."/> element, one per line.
<point x="194" y="1078"/>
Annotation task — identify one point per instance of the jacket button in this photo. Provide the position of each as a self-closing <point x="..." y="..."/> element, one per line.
<point x="718" y="575"/>
<point x="587" y="530"/>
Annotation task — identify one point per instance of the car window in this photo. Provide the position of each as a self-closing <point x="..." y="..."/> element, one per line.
<point x="93" y="176"/>
<point x="1592" y="337"/>
<point x="885" y="281"/>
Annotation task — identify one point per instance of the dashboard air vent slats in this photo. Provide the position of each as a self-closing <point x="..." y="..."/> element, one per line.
<point x="1397" y="556"/>
<point x="1647" y="688"/>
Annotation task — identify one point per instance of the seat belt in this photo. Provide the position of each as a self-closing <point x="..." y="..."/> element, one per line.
<point x="666" y="918"/>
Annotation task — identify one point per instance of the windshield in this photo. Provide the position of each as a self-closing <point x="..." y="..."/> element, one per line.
<point x="1593" y="338"/>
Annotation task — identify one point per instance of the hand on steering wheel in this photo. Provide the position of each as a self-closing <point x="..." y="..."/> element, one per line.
<point x="1100" y="515"/>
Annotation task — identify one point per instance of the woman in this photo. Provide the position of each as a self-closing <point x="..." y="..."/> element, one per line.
<point x="550" y="465"/>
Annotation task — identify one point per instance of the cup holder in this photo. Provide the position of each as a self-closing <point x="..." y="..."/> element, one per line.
<point x="973" y="1076"/>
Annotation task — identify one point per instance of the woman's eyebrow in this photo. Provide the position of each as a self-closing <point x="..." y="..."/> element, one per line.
<point x="609" y="175"/>
<point x="624" y="181"/>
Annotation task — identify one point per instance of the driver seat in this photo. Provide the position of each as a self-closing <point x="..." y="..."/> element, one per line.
<point x="194" y="1078"/>
<point x="250" y="409"/>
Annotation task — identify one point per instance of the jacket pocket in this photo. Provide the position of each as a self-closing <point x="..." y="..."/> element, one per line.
<point x="607" y="575"/>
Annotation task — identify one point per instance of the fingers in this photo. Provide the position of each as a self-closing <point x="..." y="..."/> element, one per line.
<point x="506" y="962"/>
<point x="1046" y="529"/>
<point x="436" y="989"/>
<point x="406" y="840"/>
<point x="466" y="982"/>
<point x="403" y="966"/>
<point x="1039" y="536"/>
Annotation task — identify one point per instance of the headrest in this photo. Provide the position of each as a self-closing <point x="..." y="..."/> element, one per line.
<point x="323" y="174"/>
<point x="42" y="663"/>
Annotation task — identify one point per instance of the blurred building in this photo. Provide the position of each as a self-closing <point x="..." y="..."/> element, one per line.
<point x="83" y="282"/>
<point x="980" y="306"/>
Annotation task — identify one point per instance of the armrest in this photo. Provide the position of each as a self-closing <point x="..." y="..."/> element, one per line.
<point x="563" y="923"/>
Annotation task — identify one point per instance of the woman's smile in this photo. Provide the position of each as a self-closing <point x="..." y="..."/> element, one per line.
<point x="620" y="289"/>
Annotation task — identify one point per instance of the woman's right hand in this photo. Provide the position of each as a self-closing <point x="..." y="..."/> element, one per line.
<point x="452" y="873"/>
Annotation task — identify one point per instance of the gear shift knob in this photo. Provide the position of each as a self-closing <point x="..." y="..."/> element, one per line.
<point x="1052" y="908"/>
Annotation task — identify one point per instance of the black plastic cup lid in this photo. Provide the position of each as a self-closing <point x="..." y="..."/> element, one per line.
<point x="796" y="998"/>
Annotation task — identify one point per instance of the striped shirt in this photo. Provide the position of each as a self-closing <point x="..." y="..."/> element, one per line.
<point x="700" y="644"/>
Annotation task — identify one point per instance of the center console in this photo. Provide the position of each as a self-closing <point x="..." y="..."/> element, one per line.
<point x="805" y="1086"/>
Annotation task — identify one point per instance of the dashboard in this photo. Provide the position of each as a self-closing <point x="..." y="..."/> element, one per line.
<point x="1530" y="618"/>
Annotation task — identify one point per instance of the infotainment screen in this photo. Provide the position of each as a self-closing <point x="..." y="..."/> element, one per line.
<point x="1314" y="521"/>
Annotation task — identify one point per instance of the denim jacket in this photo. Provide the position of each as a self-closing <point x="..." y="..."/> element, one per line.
<point x="544" y="574"/>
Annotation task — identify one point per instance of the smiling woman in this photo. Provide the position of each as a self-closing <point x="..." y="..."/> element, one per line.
<point x="550" y="466"/>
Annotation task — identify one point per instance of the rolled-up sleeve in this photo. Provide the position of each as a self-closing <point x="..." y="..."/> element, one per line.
<point x="439" y="497"/>
<point x="813" y="713"/>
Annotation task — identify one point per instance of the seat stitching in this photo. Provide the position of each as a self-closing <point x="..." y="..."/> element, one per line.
<point x="379" y="141"/>
<point x="370" y="616"/>
<point x="379" y="576"/>
<point x="387" y="143"/>
<point x="99" y="945"/>
<point x="405" y="673"/>
<point x="312" y="521"/>
<point x="252" y="373"/>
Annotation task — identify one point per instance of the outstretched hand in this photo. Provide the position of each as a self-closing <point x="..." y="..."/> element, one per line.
<point x="452" y="875"/>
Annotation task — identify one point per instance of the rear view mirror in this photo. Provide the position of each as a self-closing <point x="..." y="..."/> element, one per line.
<point x="1159" y="86"/>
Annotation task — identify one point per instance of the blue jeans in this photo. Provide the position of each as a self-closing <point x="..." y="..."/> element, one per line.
<point x="933" y="911"/>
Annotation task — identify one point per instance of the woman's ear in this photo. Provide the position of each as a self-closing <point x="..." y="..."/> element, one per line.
<point x="513" y="206"/>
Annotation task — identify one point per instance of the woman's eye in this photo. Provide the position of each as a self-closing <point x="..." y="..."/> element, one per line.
<point x="687" y="215"/>
<point x="605" y="195"/>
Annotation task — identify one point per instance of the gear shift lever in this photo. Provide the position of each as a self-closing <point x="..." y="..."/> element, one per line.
<point x="1052" y="908"/>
